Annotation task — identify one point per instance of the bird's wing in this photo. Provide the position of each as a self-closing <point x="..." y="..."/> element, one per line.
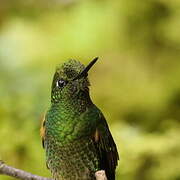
<point x="106" y="148"/>
<point x="42" y="130"/>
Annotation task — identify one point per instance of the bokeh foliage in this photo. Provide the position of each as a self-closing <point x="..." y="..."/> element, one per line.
<point x="136" y="81"/>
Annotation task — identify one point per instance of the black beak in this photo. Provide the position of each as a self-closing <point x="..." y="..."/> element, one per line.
<point x="84" y="73"/>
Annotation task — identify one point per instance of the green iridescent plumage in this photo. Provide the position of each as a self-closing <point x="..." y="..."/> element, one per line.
<point x="76" y="136"/>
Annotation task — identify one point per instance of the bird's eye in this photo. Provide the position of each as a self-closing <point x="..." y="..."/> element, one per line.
<point x="61" y="83"/>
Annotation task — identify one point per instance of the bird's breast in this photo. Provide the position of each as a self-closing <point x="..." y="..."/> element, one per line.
<point x="64" y="131"/>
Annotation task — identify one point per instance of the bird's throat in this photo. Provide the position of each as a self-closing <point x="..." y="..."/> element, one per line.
<point x="77" y="103"/>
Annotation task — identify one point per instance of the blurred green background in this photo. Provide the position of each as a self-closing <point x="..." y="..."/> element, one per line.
<point x="136" y="81"/>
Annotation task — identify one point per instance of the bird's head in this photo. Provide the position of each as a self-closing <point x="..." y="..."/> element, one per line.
<point x="70" y="79"/>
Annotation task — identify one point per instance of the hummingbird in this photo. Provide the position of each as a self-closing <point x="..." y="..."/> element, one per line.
<point x="75" y="134"/>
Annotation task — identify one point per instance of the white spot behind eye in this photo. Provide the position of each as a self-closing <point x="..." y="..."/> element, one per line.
<point x="57" y="84"/>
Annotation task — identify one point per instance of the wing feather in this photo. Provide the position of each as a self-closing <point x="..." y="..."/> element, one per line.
<point x="106" y="148"/>
<point x="42" y="130"/>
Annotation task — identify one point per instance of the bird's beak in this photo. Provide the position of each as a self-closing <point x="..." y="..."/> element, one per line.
<point x="84" y="73"/>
